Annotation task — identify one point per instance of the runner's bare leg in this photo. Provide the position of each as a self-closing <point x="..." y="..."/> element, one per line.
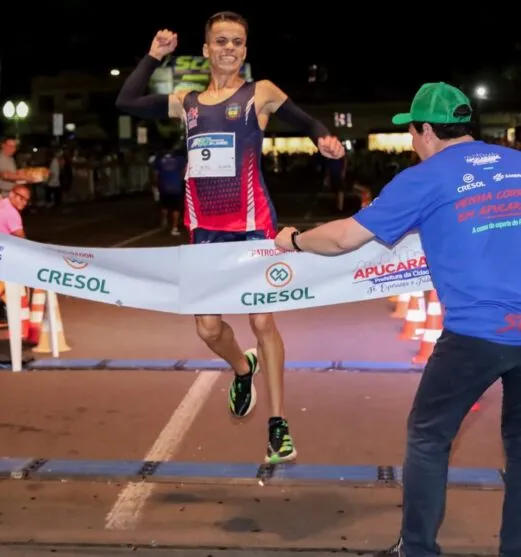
<point x="220" y="339"/>
<point x="271" y="358"/>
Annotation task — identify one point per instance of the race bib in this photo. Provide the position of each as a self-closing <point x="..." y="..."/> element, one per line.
<point x="211" y="155"/>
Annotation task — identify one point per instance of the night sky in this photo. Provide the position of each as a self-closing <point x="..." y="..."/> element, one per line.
<point x="370" y="53"/>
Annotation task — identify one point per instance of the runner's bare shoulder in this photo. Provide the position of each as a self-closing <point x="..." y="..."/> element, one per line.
<point x="268" y="97"/>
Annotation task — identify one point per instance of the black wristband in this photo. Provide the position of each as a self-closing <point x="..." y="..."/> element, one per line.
<point x="294" y="241"/>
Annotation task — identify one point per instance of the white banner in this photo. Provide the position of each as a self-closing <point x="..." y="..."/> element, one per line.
<point x="141" y="278"/>
<point x="236" y="277"/>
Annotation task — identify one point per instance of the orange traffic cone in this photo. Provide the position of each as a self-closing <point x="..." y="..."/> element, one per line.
<point x="26" y="313"/>
<point x="415" y="319"/>
<point x="433" y="329"/>
<point x="44" y="343"/>
<point x="37" y="312"/>
<point x="400" y="310"/>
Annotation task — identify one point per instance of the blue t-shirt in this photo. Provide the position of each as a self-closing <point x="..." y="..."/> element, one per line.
<point x="170" y="169"/>
<point x="466" y="203"/>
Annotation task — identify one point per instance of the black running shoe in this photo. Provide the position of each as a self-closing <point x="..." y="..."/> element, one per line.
<point x="280" y="442"/>
<point x="242" y="395"/>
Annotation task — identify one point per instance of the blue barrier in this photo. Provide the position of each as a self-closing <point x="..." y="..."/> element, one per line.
<point x="57" y="363"/>
<point x="191" y="365"/>
<point x="357" y="474"/>
<point x="481" y="478"/>
<point x="219" y="472"/>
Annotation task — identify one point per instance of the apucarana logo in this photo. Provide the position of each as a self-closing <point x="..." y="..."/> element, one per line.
<point x="397" y="270"/>
<point x="279" y="277"/>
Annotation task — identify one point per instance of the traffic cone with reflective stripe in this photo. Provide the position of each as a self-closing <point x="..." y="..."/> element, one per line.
<point x="37" y="311"/>
<point x="433" y="329"/>
<point x="26" y="313"/>
<point x="400" y="310"/>
<point x="414" y="325"/>
<point x="44" y="343"/>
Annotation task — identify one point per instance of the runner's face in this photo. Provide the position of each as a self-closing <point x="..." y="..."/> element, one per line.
<point x="226" y="46"/>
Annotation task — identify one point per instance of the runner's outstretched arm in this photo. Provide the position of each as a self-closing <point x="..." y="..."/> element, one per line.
<point x="292" y="114"/>
<point x="132" y="97"/>
<point x="275" y="101"/>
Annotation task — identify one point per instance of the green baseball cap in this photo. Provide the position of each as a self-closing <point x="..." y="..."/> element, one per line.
<point x="437" y="103"/>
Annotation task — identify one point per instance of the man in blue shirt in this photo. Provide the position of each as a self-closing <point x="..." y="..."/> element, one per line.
<point x="464" y="197"/>
<point x="169" y="167"/>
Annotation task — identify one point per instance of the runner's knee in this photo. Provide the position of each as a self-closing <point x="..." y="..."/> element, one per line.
<point x="262" y="324"/>
<point x="209" y="327"/>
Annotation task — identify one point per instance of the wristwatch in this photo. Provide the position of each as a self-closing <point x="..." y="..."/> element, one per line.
<point x="294" y="241"/>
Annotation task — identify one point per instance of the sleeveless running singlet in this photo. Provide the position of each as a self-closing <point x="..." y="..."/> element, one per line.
<point x="225" y="189"/>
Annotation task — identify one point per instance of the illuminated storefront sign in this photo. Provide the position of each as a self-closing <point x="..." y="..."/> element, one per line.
<point x="187" y="72"/>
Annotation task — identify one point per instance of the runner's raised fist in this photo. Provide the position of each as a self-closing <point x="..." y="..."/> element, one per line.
<point x="165" y="42"/>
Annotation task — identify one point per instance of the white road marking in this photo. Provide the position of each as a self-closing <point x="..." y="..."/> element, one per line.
<point x="82" y="222"/>
<point x="126" y="512"/>
<point x="136" y="238"/>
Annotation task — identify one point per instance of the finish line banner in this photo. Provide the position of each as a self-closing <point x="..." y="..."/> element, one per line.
<point x="228" y="278"/>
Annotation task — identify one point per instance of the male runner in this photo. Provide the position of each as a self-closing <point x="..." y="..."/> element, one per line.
<point x="226" y="198"/>
<point x="463" y="198"/>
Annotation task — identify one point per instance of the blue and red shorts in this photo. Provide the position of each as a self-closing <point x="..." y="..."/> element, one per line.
<point x="204" y="236"/>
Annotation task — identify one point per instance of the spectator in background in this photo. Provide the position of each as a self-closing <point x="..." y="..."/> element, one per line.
<point x="9" y="174"/>
<point x="53" y="190"/>
<point x="66" y="173"/>
<point x="169" y="171"/>
<point x="11" y="223"/>
<point x="10" y="209"/>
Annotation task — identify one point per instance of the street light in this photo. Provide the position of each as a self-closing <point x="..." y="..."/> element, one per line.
<point x="22" y="110"/>
<point x="481" y="91"/>
<point x="115" y="72"/>
<point x="17" y="112"/>
<point x="9" y="109"/>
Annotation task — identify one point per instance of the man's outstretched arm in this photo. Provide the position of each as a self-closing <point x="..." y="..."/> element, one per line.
<point x="275" y="101"/>
<point x="133" y="98"/>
